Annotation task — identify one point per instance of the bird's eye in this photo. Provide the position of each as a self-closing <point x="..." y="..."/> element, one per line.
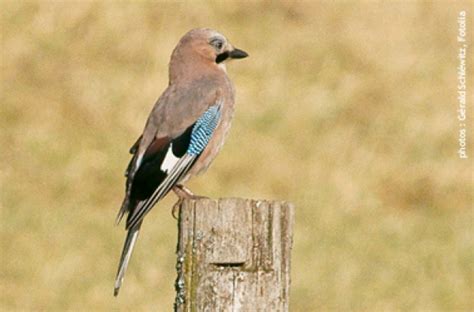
<point x="217" y="43"/>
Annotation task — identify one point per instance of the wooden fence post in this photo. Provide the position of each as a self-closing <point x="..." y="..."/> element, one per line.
<point x="234" y="255"/>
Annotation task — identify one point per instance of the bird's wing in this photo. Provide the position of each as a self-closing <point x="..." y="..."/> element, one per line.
<point x="200" y="135"/>
<point x="174" y="112"/>
<point x="165" y="140"/>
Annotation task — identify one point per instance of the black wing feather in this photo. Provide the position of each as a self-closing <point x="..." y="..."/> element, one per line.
<point x="141" y="183"/>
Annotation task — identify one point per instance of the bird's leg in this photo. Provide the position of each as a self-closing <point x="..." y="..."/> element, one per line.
<point x="183" y="193"/>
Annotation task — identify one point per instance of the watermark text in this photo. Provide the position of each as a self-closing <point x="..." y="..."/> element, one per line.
<point x="461" y="84"/>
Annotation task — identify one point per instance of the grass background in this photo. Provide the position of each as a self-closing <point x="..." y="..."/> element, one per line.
<point x="348" y="110"/>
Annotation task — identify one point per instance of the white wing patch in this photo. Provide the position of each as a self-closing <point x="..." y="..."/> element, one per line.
<point x="169" y="161"/>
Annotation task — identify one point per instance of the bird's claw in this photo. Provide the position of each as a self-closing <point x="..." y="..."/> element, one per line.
<point x="176" y="208"/>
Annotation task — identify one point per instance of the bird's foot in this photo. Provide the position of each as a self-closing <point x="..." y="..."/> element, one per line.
<point x="183" y="193"/>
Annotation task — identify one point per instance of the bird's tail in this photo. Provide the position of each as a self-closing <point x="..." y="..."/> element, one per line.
<point x="130" y="241"/>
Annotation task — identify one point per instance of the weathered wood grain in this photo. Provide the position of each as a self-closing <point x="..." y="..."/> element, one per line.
<point x="234" y="255"/>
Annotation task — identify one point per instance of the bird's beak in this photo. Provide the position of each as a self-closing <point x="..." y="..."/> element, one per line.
<point x="238" y="54"/>
<point x="231" y="53"/>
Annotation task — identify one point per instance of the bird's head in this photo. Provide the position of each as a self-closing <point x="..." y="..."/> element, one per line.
<point x="205" y="46"/>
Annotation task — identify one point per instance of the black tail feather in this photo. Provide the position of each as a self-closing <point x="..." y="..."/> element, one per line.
<point x="130" y="241"/>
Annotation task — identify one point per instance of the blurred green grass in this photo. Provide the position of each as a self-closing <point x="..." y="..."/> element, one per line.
<point x="346" y="109"/>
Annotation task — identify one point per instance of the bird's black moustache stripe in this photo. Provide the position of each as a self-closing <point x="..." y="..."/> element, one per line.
<point x="222" y="57"/>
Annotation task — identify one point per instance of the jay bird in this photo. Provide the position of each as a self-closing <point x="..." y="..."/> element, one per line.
<point x="184" y="132"/>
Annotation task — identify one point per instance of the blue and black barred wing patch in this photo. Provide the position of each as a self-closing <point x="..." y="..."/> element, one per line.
<point x="201" y="134"/>
<point x="203" y="130"/>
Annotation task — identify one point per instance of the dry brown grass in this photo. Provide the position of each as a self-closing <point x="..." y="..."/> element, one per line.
<point x="348" y="110"/>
